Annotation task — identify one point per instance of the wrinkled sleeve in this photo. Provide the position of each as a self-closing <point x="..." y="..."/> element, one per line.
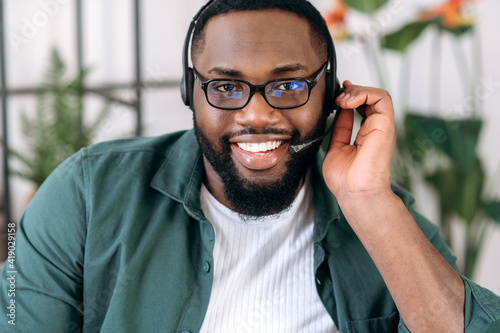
<point x="45" y="273"/>
<point x="482" y="310"/>
<point x="482" y="307"/>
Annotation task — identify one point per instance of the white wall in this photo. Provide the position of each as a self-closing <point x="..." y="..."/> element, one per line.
<point x="108" y="49"/>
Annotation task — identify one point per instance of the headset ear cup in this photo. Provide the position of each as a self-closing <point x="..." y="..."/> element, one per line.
<point x="329" y="101"/>
<point x="190" y="87"/>
<point x="184" y="90"/>
<point x="338" y="89"/>
<point x="187" y="88"/>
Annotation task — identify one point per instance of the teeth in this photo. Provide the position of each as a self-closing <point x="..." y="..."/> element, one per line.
<point x="260" y="147"/>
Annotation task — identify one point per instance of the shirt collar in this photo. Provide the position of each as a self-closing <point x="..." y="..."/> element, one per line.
<point x="180" y="176"/>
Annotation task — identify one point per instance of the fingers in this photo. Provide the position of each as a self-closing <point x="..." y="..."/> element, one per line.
<point x="374" y="105"/>
<point x="342" y="130"/>
<point x="347" y="83"/>
<point x="367" y="100"/>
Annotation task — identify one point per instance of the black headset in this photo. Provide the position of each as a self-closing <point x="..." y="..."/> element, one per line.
<point x="187" y="83"/>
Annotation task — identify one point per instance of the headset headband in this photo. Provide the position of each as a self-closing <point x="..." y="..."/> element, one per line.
<point x="332" y="83"/>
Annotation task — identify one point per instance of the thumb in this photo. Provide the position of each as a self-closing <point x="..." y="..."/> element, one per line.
<point x="342" y="131"/>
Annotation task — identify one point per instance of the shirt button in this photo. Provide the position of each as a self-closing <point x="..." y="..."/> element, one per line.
<point x="206" y="266"/>
<point x="318" y="281"/>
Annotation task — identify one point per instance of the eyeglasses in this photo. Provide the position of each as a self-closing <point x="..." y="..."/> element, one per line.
<point x="280" y="94"/>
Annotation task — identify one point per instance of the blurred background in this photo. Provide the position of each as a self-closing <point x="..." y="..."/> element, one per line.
<point x="75" y="72"/>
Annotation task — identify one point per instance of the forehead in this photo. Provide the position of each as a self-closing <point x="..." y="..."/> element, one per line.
<point x="257" y="39"/>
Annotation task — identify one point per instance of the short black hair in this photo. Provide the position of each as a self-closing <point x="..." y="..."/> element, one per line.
<point x="303" y="8"/>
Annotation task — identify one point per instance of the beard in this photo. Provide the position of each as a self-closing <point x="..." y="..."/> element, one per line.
<point x="250" y="199"/>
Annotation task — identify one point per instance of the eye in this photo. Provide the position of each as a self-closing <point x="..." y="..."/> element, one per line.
<point x="227" y="87"/>
<point x="291" y="85"/>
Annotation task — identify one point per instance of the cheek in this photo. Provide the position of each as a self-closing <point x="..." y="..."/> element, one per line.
<point x="306" y="118"/>
<point x="211" y="121"/>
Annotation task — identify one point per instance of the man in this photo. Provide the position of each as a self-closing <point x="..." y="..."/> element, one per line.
<point x="222" y="229"/>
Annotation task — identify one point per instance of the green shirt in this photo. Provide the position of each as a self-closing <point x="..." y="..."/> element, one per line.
<point x="116" y="241"/>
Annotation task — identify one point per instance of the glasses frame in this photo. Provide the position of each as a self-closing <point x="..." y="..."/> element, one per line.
<point x="260" y="88"/>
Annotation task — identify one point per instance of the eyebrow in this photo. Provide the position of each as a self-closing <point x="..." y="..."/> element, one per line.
<point x="291" y="68"/>
<point x="225" y="72"/>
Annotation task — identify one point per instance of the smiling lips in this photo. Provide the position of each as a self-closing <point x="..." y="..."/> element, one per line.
<point x="261" y="155"/>
<point x="257" y="152"/>
<point x="261" y="148"/>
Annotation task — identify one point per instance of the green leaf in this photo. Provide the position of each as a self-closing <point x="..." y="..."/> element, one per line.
<point x="443" y="181"/>
<point x="366" y="6"/>
<point x="56" y="131"/>
<point x="492" y="210"/>
<point x="401" y="39"/>
<point x="458" y="32"/>
<point x="457" y="138"/>
<point x="459" y="190"/>
<point x="402" y="166"/>
<point x="470" y="184"/>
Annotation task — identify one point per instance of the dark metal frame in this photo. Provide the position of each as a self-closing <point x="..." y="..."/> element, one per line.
<point x="105" y="90"/>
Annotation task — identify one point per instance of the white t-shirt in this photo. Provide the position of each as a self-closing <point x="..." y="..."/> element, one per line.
<point x="263" y="271"/>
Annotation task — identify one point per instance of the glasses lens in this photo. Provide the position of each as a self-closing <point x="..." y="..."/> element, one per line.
<point x="288" y="93"/>
<point x="228" y="94"/>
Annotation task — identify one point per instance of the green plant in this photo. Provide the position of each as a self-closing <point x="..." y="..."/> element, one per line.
<point x="440" y="150"/>
<point x="56" y="131"/>
<point x="449" y="161"/>
<point x="450" y="164"/>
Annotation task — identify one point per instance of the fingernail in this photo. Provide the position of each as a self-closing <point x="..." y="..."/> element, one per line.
<point x="341" y="96"/>
<point x="347" y="96"/>
<point x="351" y="98"/>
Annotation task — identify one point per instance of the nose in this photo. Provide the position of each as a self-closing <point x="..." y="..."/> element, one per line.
<point x="258" y="113"/>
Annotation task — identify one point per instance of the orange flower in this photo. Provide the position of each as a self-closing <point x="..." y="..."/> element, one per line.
<point x="336" y="21"/>
<point x="451" y="13"/>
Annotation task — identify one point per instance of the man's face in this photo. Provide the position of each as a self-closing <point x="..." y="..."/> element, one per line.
<point x="248" y="166"/>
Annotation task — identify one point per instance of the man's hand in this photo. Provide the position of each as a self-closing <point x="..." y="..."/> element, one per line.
<point x="359" y="175"/>
<point x="362" y="168"/>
